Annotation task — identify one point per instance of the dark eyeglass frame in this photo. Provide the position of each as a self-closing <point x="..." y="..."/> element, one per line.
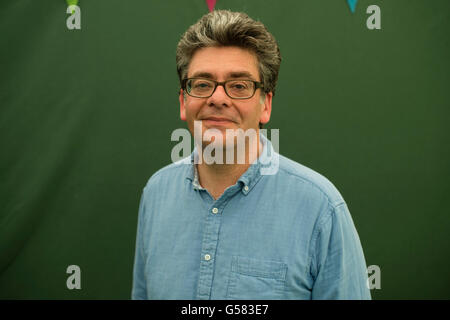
<point x="257" y="85"/>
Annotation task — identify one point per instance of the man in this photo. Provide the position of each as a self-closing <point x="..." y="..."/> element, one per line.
<point x="221" y="230"/>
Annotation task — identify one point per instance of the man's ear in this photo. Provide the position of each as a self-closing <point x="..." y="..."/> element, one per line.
<point x="182" y="105"/>
<point x="266" y="108"/>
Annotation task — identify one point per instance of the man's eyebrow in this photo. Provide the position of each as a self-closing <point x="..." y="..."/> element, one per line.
<point x="202" y="74"/>
<point x="233" y="75"/>
<point x="240" y="74"/>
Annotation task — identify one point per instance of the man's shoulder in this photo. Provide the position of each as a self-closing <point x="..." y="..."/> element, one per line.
<point x="299" y="173"/>
<point x="171" y="172"/>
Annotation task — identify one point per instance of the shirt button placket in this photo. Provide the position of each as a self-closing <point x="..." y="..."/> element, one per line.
<point x="209" y="245"/>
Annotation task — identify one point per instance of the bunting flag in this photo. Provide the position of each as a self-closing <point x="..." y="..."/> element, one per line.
<point x="352" y="5"/>
<point x="211" y="4"/>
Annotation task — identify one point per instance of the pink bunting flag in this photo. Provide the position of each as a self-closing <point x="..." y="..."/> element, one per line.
<point x="211" y="4"/>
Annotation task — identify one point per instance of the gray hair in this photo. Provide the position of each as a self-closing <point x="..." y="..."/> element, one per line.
<point x="221" y="28"/>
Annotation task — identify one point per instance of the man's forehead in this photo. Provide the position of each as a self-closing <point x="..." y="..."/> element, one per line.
<point x="229" y="62"/>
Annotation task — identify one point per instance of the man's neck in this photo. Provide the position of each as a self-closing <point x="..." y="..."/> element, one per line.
<point x="216" y="178"/>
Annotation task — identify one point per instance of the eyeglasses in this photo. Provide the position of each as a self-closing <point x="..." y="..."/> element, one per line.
<point x="235" y="89"/>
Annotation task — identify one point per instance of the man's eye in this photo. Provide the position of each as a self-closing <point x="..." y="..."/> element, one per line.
<point x="202" y="85"/>
<point x="239" y="86"/>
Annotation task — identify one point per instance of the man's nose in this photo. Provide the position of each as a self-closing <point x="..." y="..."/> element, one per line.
<point x="219" y="98"/>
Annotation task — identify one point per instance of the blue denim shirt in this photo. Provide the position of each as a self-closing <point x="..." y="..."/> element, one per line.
<point x="283" y="235"/>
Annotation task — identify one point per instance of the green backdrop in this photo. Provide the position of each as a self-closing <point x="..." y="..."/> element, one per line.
<point x="86" y="117"/>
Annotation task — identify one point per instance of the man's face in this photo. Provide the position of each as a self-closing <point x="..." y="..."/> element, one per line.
<point x="220" y="111"/>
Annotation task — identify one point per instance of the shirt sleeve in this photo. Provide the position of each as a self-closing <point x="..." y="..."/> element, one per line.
<point x="338" y="266"/>
<point x="139" y="290"/>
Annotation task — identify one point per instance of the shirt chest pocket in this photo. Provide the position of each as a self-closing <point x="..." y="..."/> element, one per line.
<point x="255" y="279"/>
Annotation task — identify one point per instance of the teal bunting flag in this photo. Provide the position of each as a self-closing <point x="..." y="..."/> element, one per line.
<point x="352" y="5"/>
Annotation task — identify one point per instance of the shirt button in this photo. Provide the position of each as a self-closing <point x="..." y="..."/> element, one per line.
<point x="246" y="188"/>
<point x="215" y="210"/>
<point x="207" y="257"/>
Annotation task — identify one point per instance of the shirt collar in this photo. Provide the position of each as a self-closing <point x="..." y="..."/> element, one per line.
<point x="250" y="177"/>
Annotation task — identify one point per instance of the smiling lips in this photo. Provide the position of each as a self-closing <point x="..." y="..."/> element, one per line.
<point x="217" y="120"/>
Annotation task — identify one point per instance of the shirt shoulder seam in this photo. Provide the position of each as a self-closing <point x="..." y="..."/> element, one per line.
<point x="334" y="205"/>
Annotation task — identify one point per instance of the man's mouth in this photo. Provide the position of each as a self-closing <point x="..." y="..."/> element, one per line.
<point x="217" y="121"/>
